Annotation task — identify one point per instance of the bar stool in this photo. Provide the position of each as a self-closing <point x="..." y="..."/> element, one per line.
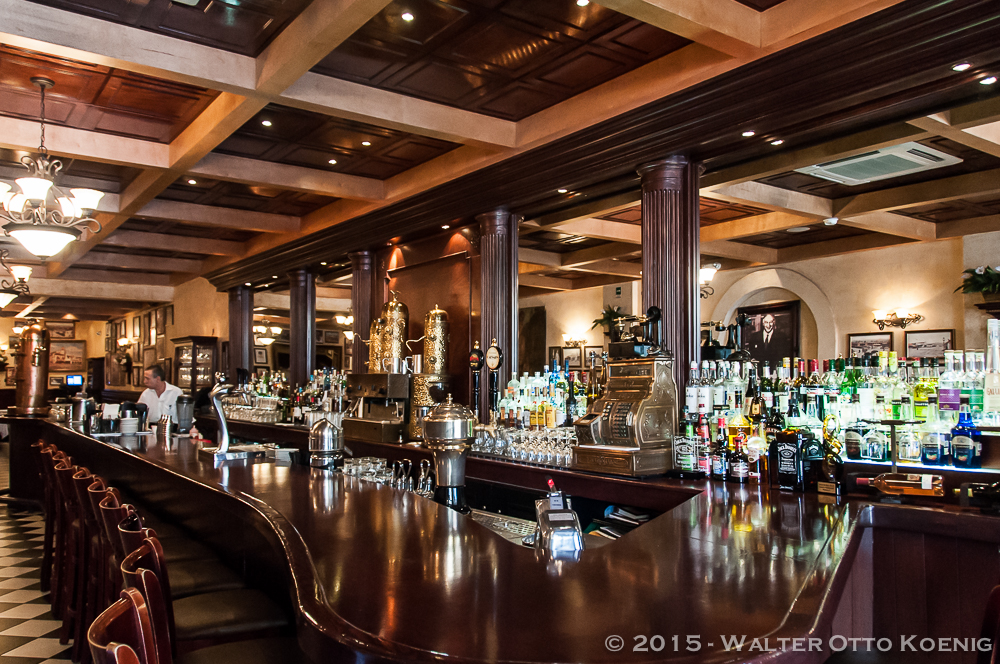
<point x="54" y="535"/>
<point x="112" y="513"/>
<point x="187" y="577"/>
<point x="122" y="633"/>
<point x="85" y="598"/>
<point x="201" y="620"/>
<point x="279" y="650"/>
<point x="103" y="563"/>
<point x="72" y="549"/>
<point x="43" y="457"/>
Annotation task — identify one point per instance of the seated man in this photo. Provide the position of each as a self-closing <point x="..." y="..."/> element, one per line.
<point x="160" y="396"/>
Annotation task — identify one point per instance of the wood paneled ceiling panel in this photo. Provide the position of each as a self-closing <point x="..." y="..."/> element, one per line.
<point x="241" y="26"/>
<point x="559" y="243"/>
<point x="760" y="5"/>
<point x="97" y="98"/>
<point x="508" y="59"/>
<point x="303" y="138"/>
<point x="143" y="251"/>
<point x="711" y="211"/>
<point x="972" y="161"/>
<point x="187" y="230"/>
<point x="784" y="239"/>
<point x="240" y="196"/>
<point x="955" y="210"/>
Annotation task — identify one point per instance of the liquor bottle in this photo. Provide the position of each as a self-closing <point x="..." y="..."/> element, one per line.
<point x="933" y="438"/>
<point x="800" y="384"/>
<point x="767" y="386"/>
<point x="739" y="464"/>
<point x="966" y="439"/>
<point x="949" y="388"/>
<point x="922" y="389"/>
<point x="866" y="389"/>
<point x="719" y="398"/>
<point x="705" y="389"/>
<point x="975" y="376"/>
<point x="991" y="378"/>
<point x="685" y="458"/>
<point x="897" y="484"/>
<point x="691" y="389"/>
<point x="738" y="427"/>
<point x="787" y="470"/>
<point x="571" y="405"/>
<point x="720" y="452"/>
<point x="754" y="408"/>
<point x="815" y="387"/>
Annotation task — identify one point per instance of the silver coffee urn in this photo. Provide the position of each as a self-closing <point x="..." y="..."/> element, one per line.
<point x="326" y="444"/>
<point x="448" y="433"/>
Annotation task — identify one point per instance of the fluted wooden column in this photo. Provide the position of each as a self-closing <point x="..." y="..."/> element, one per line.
<point x="670" y="255"/>
<point x="362" y="272"/>
<point x="498" y="280"/>
<point x="240" y="330"/>
<point x="302" y="328"/>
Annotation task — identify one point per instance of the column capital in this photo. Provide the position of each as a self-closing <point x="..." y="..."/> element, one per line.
<point x="361" y="260"/>
<point x="664" y="174"/>
<point x="494" y="222"/>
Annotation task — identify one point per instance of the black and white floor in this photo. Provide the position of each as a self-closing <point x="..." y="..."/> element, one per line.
<point x="28" y="632"/>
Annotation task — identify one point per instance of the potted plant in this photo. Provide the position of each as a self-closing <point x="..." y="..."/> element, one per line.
<point x="607" y="320"/>
<point x="983" y="279"/>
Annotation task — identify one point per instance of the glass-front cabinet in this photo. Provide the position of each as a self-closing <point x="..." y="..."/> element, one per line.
<point x="195" y="363"/>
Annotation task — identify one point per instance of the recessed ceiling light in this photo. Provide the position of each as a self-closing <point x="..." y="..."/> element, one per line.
<point x="748" y="133"/>
<point x="777" y="142"/>
<point x="446" y="227"/>
<point x="562" y="191"/>
<point x="247" y="284"/>
<point x="831" y="221"/>
<point x="366" y="143"/>
<point x="582" y="3"/>
<point x="266" y="123"/>
<point x="274" y="276"/>
<point x="407" y="16"/>
<point x="798" y="229"/>
<point x="192" y="182"/>
<point x="322" y="263"/>
<point x="332" y="162"/>
<point x="961" y="66"/>
<point x="988" y="81"/>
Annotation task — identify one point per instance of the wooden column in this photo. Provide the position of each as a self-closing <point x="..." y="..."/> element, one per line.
<point x="362" y="274"/>
<point x="670" y="255"/>
<point x="498" y="280"/>
<point x="240" y="330"/>
<point x="302" y="314"/>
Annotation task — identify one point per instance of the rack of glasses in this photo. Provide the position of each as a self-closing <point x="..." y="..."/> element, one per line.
<point x="549" y="447"/>
<point x="895" y="442"/>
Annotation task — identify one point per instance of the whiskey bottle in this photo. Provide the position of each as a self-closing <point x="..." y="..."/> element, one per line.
<point x="739" y="463"/>
<point x="720" y="456"/>
<point x="898" y="484"/>
<point x="787" y="471"/>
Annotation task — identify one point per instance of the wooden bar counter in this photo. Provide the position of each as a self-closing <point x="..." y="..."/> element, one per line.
<point x="375" y="573"/>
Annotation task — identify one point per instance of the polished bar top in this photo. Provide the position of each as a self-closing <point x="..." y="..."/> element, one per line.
<point x="393" y="575"/>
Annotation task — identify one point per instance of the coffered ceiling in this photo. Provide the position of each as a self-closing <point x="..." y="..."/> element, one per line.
<point x="236" y="140"/>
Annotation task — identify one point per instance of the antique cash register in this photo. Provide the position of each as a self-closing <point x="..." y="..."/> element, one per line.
<point x="630" y="429"/>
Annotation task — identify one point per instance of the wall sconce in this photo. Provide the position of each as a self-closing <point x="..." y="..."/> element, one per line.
<point x="705" y="276"/>
<point x="899" y="318"/>
<point x="349" y="334"/>
<point x="344" y="320"/>
<point x="570" y="340"/>
<point x="123" y="341"/>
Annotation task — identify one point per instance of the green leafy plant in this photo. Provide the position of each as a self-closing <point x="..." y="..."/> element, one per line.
<point x="607" y="318"/>
<point x="982" y="279"/>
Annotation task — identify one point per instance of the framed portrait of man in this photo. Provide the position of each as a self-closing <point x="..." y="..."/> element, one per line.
<point x="772" y="331"/>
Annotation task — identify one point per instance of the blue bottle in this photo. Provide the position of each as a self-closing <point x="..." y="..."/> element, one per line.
<point x="966" y="439"/>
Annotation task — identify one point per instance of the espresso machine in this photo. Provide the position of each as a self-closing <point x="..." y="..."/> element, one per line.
<point x="380" y="407"/>
<point x="32" y="371"/>
<point x="630" y="429"/>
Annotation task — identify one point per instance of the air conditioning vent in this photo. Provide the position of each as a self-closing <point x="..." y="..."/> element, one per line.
<point x="881" y="164"/>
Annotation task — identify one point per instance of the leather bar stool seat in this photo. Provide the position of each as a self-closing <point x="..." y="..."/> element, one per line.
<point x="187" y="577"/>
<point x="122" y="634"/>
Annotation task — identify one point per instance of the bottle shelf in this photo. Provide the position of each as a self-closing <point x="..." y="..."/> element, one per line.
<point x="908" y="467"/>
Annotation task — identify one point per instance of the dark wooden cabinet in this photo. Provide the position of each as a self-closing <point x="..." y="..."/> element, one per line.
<point x="196" y="359"/>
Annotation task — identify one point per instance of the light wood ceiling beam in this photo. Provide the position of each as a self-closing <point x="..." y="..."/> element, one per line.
<point x="739" y="251"/>
<point x="847" y="245"/>
<point x="615" y="231"/>
<point x="271" y="174"/>
<point x="945" y="189"/>
<point x="610" y="267"/>
<point x="35" y="303"/>
<point x="794" y="21"/>
<point x="191" y="245"/>
<point x="548" y="283"/>
<point x="893" y="224"/>
<point x="282" y="301"/>
<point x="958" y="228"/>
<point x="18" y="134"/>
<point x="208" y="215"/>
<point x="985" y="138"/>
<point x="596" y="280"/>
<point x="776" y="199"/>
<point x="597" y="254"/>
<point x="762" y="223"/>
<point x="102" y="290"/>
<point x="549" y="259"/>
<point x="141" y="263"/>
<point x="117" y="277"/>
<point x="531" y="268"/>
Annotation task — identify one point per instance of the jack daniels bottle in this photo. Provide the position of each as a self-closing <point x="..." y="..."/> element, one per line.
<point x="797" y="459"/>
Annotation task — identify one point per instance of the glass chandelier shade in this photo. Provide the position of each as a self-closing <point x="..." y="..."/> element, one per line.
<point x="41" y="216"/>
<point x="266" y="333"/>
<point x="17" y="285"/>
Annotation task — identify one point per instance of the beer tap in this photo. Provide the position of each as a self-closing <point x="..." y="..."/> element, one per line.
<point x="476" y="358"/>
<point x="494" y="360"/>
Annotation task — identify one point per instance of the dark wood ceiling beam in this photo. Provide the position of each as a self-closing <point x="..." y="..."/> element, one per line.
<point x="739" y="251"/>
<point x="105" y="285"/>
<point x="164" y="241"/>
<point x="210" y="215"/>
<point x="139" y="263"/>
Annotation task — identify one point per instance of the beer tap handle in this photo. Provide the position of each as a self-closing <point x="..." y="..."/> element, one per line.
<point x="476" y="360"/>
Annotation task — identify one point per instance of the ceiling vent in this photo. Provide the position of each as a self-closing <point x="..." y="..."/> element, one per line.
<point x="881" y="164"/>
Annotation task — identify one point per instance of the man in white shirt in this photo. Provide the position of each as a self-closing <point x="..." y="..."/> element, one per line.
<point x="160" y="396"/>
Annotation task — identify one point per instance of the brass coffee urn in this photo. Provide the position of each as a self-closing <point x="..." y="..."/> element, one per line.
<point x="375" y="345"/>
<point x="397" y="324"/>
<point x="430" y="378"/>
<point x="32" y="371"/>
<point x="436" y="338"/>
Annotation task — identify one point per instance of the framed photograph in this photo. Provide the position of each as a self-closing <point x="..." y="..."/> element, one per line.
<point x="170" y="314"/>
<point x="259" y="369"/>
<point x="148" y="357"/>
<point x="348" y="363"/>
<point x="573" y="355"/>
<point x="772" y="331"/>
<point x="331" y="337"/>
<point x="260" y="356"/>
<point x="67" y="355"/>
<point x="11" y="376"/>
<point x="136" y="327"/>
<point x="555" y="356"/>
<point x="146" y="330"/>
<point x="597" y="350"/>
<point x="348" y="346"/>
<point x="56" y="381"/>
<point x="873" y="342"/>
<point x="61" y="329"/>
<point x="167" y="365"/>
<point x="161" y="321"/>
<point x="13" y="342"/>
<point x="929" y="343"/>
<point x="319" y="336"/>
<point x="122" y="328"/>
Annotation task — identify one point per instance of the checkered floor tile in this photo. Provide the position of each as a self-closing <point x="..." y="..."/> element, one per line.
<point x="28" y="632"/>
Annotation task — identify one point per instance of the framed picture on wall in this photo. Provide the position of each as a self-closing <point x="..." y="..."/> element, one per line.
<point x="574" y="356"/>
<point x="67" y="355"/>
<point x="148" y="357"/>
<point x="137" y="327"/>
<point x="929" y="343"/>
<point x="61" y="329"/>
<point x="555" y="356"/>
<point x="596" y="350"/>
<point x="874" y="342"/>
<point x="146" y="330"/>
<point x="772" y="331"/>
<point x="161" y="321"/>
<point x="259" y="369"/>
<point x="56" y="381"/>
<point x="331" y="337"/>
<point x="11" y="376"/>
<point x="319" y="336"/>
<point x="137" y="376"/>
<point x="260" y="355"/>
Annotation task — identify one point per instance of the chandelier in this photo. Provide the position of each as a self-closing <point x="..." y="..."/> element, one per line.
<point x="9" y="290"/>
<point x="41" y="216"/>
<point x="266" y="333"/>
